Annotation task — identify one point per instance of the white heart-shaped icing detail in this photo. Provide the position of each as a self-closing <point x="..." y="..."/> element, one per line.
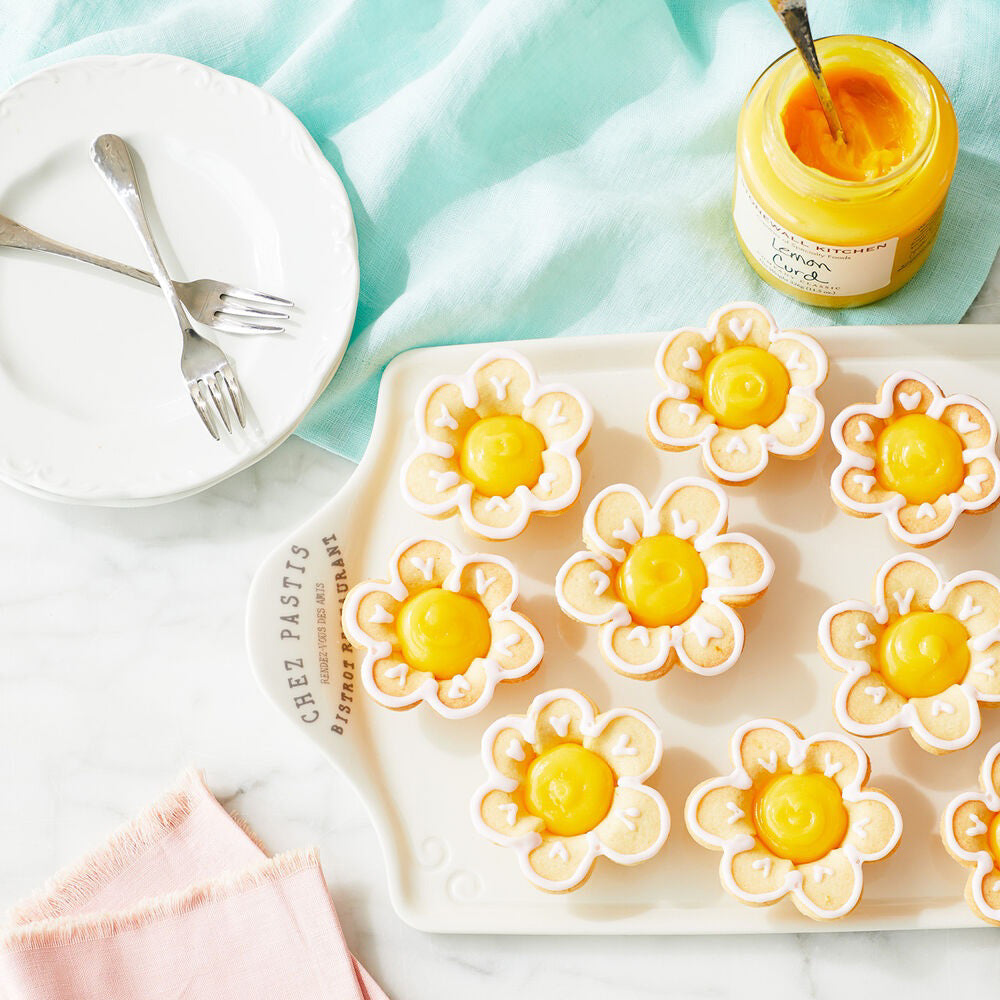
<point x="446" y="419"/>
<point x="545" y="481"/>
<point x="736" y="443"/>
<point x="640" y="633"/>
<point x="903" y="601"/>
<point x="820" y="872"/>
<point x="510" y="809"/>
<point x="379" y="616"/>
<point x="443" y="479"/>
<point x="623" y="747"/>
<point x="693" y="360"/>
<point x="558" y="851"/>
<point x="867" y="639"/>
<point x="735" y="813"/>
<point x="704" y="631"/>
<point x="864" y="434"/>
<point x="515" y="749"/>
<point x="877" y="694"/>
<point x="865" y="483"/>
<point x="939" y="707"/>
<point x="398" y="672"/>
<point x="771" y="764"/>
<point x="500" y="383"/>
<point x="965" y="424"/>
<point x="926" y="512"/>
<point x="762" y="865"/>
<point x="498" y="503"/>
<point x="683" y="529"/>
<point x="831" y="766"/>
<point x="626" y="816"/>
<point x="483" y="581"/>
<point x="508" y="642"/>
<point x="975" y="482"/>
<point x="796" y="420"/>
<point x="720" y="567"/>
<point x="459" y="686"/>
<point x="690" y="411"/>
<point x="910" y="400"/>
<point x="601" y="582"/>
<point x="425" y="567"/>
<point x="557" y="417"/>
<point x="627" y="533"/>
<point x="969" y="609"/>
<point x="795" y="362"/>
<point x="860" y="827"/>
<point x="560" y="723"/>
<point x="976" y="827"/>
<point x="985" y="666"/>
<point x="741" y="329"/>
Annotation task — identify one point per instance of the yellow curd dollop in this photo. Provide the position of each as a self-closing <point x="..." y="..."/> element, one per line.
<point x="924" y="653"/>
<point x="745" y="386"/>
<point x="570" y="788"/>
<point x="919" y="457"/>
<point x="501" y="453"/>
<point x="800" y="817"/>
<point x="879" y="127"/>
<point x="442" y="632"/>
<point x="993" y="838"/>
<point x="661" y="581"/>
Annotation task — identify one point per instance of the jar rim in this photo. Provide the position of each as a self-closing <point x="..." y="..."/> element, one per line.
<point x="815" y="181"/>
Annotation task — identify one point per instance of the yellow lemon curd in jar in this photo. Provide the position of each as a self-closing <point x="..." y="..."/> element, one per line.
<point x="835" y="223"/>
<point x="570" y="788"/>
<point x="800" y="817"/>
<point x="501" y="453"/>
<point x="442" y="632"/>
<point x="924" y="653"/>
<point x="919" y="457"/>
<point x="661" y="581"/>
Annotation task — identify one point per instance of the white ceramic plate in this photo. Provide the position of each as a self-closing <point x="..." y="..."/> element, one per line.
<point x="417" y="771"/>
<point x="93" y="408"/>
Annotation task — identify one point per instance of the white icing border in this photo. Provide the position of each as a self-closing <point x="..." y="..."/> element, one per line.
<point x="769" y="443"/>
<point x="462" y="499"/>
<point x="907" y="717"/>
<point x="590" y="726"/>
<point x="739" y="843"/>
<point x="667" y="638"/>
<point x="983" y="860"/>
<point x="891" y="506"/>
<point x="376" y="650"/>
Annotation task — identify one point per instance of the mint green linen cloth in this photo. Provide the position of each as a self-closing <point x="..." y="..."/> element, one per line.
<point x="541" y="168"/>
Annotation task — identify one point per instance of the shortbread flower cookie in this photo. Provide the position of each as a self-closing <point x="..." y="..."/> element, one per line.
<point x="794" y="817"/>
<point x="566" y="785"/>
<point x="496" y="445"/>
<point x="441" y="629"/>
<point x="922" y="657"/>
<point x="917" y="457"/>
<point x="740" y="389"/>
<point x="970" y="829"/>
<point x="661" y="580"/>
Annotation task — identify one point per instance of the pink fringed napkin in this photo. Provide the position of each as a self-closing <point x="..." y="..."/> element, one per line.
<point x="182" y="903"/>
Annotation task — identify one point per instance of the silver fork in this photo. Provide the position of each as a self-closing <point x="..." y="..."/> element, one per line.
<point x="203" y="364"/>
<point x="213" y="303"/>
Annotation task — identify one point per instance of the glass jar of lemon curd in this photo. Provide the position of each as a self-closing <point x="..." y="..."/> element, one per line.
<point x="836" y="224"/>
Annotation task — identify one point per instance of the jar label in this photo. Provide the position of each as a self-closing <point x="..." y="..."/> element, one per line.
<point x="817" y="268"/>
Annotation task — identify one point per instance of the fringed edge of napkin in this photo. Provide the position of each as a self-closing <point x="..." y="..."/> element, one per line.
<point x="73" y="885"/>
<point x="92" y="926"/>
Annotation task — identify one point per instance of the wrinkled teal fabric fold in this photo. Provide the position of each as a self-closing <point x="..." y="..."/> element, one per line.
<point x="542" y="168"/>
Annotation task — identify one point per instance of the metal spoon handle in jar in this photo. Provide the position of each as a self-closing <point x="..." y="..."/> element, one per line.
<point x="796" y="21"/>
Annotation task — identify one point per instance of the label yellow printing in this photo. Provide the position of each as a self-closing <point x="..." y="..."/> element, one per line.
<point x="800" y="817"/>
<point x="661" y="581"/>
<point x="924" y="653"/>
<point x="745" y="386"/>
<point x="570" y="788"/>
<point x="501" y="453"/>
<point x="441" y="632"/>
<point x="919" y="457"/>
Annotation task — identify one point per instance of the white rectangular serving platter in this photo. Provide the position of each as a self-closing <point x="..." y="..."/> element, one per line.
<point x="416" y="771"/>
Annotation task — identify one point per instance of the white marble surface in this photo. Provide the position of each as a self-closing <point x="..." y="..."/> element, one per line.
<point x="122" y="661"/>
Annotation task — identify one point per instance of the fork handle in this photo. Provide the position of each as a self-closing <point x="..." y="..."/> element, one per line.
<point x="13" y="234"/>
<point x="111" y="156"/>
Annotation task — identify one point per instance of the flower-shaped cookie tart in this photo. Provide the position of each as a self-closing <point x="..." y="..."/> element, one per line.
<point x="921" y="657"/>
<point x="661" y="580"/>
<point x="441" y="629"/>
<point x="496" y="445"/>
<point x="566" y="785"/>
<point x="740" y="389"/>
<point x="970" y="829"/>
<point x="916" y="456"/>
<point x="794" y="817"/>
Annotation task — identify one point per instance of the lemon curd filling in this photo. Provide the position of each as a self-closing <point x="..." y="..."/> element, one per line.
<point x="501" y="453"/>
<point x="879" y="127"/>
<point x="441" y="632"/>
<point x="919" y="457"/>
<point x="800" y="817"/>
<point x="993" y="838"/>
<point x="661" y="581"/>
<point x="570" y="788"/>
<point x="924" y="653"/>
<point x="745" y="386"/>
